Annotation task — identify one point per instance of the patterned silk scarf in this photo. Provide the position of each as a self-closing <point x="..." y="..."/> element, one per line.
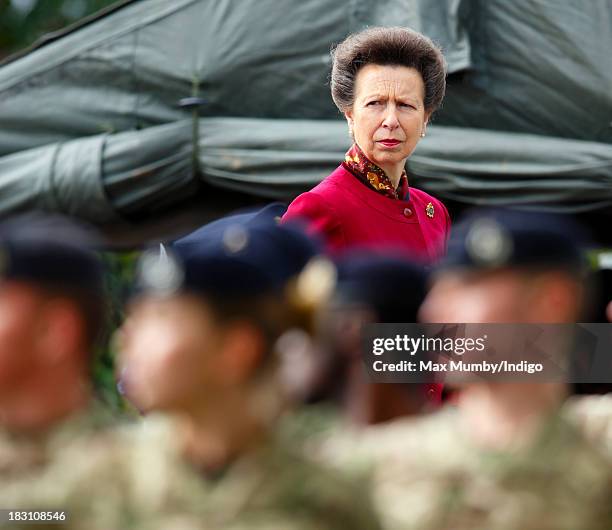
<point x="373" y="176"/>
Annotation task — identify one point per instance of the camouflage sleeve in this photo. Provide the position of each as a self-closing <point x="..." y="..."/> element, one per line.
<point x="593" y="416"/>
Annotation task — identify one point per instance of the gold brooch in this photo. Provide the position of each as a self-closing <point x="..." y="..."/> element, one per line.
<point x="429" y="210"/>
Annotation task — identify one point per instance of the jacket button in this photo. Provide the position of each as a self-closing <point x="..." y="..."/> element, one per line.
<point x="407" y="212"/>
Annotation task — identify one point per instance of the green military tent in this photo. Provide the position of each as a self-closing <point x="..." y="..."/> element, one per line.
<point x="154" y="115"/>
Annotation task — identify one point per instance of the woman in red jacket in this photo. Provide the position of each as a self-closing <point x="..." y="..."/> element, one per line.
<point x="387" y="82"/>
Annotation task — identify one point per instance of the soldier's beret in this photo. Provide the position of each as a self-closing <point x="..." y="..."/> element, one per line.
<point x="237" y="256"/>
<point x="496" y="238"/>
<point x="391" y="286"/>
<point x="50" y="251"/>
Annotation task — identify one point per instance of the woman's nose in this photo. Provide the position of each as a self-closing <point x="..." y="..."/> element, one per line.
<point x="390" y="121"/>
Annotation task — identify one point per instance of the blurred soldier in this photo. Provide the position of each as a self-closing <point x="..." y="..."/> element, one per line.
<point x="340" y="401"/>
<point x="199" y="348"/>
<point x="511" y="267"/>
<point x="369" y="289"/>
<point x="594" y="412"/>
<point x="52" y="309"/>
<point x="506" y="456"/>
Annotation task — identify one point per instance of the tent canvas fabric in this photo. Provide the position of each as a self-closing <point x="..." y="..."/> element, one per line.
<point x="91" y="122"/>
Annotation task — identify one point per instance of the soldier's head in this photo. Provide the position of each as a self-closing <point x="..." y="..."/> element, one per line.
<point x="51" y="301"/>
<point x="510" y="266"/>
<point x="380" y="288"/>
<point x="209" y="311"/>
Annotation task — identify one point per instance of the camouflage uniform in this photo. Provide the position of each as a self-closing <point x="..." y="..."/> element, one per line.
<point x="137" y="478"/>
<point x="270" y="487"/>
<point x="428" y="476"/>
<point x="35" y="473"/>
<point x="594" y="416"/>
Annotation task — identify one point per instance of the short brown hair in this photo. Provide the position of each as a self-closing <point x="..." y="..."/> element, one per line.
<point x="392" y="46"/>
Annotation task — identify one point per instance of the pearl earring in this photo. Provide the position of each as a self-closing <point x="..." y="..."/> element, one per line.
<point x="423" y="134"/>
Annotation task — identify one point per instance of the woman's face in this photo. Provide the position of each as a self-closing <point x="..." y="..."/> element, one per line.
<point x="388" y="115"/>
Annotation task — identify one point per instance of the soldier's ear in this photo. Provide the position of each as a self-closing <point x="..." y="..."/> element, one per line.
<point x="244" y="347"/>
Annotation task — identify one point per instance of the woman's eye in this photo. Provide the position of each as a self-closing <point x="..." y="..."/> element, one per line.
<point x="373" y="103"/>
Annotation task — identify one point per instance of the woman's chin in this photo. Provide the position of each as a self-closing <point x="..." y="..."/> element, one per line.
<point x="387" y="158"/>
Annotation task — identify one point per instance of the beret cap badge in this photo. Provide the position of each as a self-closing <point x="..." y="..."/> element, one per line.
<point x="160" y="272"/>
<point x="235" y="239"/>
<point x="488" y="243"/>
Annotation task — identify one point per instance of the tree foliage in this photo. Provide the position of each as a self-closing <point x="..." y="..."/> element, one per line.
<point x="120" y="272"/>
<point x="22" y="22"/>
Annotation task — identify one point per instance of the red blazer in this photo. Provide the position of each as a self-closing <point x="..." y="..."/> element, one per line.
<point x="348" y="213"/>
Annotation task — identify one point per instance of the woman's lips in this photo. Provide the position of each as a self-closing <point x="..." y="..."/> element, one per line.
<point x="389" y="143"/>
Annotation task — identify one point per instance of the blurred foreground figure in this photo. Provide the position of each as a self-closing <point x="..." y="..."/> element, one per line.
<point x="52" y="309"/>
<point x="594" y="412"/>
<point x="507" y="456"/>
<point x="369" y="289"/>
<point x="198" y="346"/>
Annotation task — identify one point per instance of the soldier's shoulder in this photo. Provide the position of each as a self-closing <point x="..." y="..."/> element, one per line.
<point x="129" y="472"/>
<point x="400" y="442"/>
<point x="278" y="482"/>
<point x="593" y="417"/>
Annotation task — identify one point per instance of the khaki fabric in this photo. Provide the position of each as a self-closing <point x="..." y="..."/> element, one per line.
<point x="427" y="475"/>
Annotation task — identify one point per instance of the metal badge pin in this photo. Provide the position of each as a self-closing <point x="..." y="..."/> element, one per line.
<point x="429" y="210"/>
<point x="487" y="243"/>
<point x="159" y="272"/>
<point x="235" y="239"/>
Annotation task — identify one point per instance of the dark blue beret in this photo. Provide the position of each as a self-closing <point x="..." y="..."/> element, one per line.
<point x="390" y="285"/>
<point x="238" y="256"/>
<point x="50" y="251"/>
<point x="496" y="238"/>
